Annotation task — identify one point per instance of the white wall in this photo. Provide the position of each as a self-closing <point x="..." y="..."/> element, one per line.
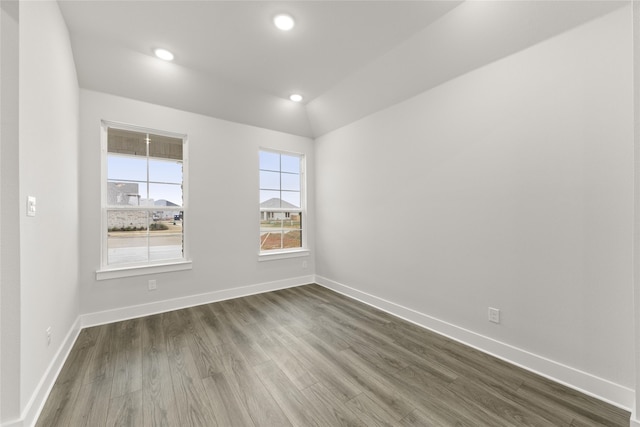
<point x="635" y="416"/>
<point x="472" y="34"/>
<point x="182" y="87"/>
<point x="510" y="187"/>
<point x="9" y="215"/>
<point x="48" y="127"/>
<point x="222" y="224"/>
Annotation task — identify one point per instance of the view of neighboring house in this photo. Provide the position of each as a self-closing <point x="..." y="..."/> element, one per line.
<point x="276" y="204"/>
<point x="165" y="214"/>
<point x="127" y="194"/>
<point x="123" y="194"/>
<point x="163" y="202"/>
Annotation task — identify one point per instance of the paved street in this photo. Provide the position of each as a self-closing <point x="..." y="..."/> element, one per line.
<point x="138" y="254"/>
<point x="130" y="247"/>
<point x="127" y="240"/>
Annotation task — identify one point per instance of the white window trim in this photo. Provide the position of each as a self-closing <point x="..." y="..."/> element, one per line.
<point x="276" y="254"/>
<point x="141" y="270"/>
<point x="283" y="254"/>
<point x="129" y="270"/>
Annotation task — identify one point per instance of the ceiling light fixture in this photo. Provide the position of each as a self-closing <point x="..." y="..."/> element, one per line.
<point x="164" y="54"/>
<point x="295" y="97"/>
<point x="284" y="22"/>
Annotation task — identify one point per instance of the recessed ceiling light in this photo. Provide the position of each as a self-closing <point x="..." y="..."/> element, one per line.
<point x="295" y="97"/>
<point x="284" y="22"/>
<point x="164" y="54"/>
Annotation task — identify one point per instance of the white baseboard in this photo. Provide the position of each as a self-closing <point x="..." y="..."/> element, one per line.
<point x="584" y="382"/>
<point x="635" y="421"/>
<point x="39" y="397"/>
<point x="13" y="423"/>
<point x="131" y="312"/>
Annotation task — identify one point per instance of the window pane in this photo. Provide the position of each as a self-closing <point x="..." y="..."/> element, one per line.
<point x="165" y="195"/>
<point x="165" y="236"/>
<point x="269" y="180"/>
<point x="271" y="240"/>
<point x="270" y="232"/>
<point x="124" y="168"/>
<point x="165" y="171"/>
<point x="127" y="236"/>
<point x="291" y="199"/>
<point x="121" y="193"/>
<point x="290" y="163"/>
<point x="141" y="236"/>
<point x="269" y="221"/>
<point x="165" y="147"/>
<point x="269" y="199"/>
<point x="280" y="230"/>
<point x="127" y="142"/>
<point x="269" y="161"/>
<point x="291" y="221"/>
<point x="292" y="239"/>
<point x="290" y="181"/>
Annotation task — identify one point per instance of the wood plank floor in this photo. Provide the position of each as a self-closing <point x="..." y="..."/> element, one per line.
<point x="304" y="356"/>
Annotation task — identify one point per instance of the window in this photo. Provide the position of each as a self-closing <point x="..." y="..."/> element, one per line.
<point x="282" y="202"/>
<point x="144" y="199"/>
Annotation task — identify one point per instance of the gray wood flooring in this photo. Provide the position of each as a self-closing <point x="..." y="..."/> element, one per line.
<point x="304" y="356"/>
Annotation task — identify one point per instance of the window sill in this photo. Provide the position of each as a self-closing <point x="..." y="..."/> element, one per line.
<point x="140" y="270"/>
<point x="270" y="256"/>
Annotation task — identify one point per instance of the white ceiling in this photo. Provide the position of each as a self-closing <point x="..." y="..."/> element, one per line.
<point x="347" y="58"/>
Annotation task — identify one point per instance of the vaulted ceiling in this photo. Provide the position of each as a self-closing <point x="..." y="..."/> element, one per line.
<point x="347" y="58"/>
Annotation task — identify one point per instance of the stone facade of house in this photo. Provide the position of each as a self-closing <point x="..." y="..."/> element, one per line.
<point x="124" y="219"/>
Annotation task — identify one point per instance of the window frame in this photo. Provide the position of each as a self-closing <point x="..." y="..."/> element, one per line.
<point x="112" y="271"/>
<point x="283" y="253"/>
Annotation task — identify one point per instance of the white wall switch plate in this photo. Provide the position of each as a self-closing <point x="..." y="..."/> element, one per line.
<point x="31" y="206"/>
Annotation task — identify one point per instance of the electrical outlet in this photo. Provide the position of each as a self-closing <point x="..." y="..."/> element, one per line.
<point x="494" y="315"/>
<point x="305" y="264"/>
<point x="153" y="285"/>
<point x="48" y="335"/>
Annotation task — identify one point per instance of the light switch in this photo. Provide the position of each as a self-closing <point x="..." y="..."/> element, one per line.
<point x="31" y="206"/>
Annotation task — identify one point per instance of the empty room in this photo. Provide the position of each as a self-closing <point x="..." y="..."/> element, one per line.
<point x="319" y="213"/>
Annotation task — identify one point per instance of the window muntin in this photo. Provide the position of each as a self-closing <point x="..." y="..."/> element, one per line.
<point x="144" y="199"/>
<point x="281" y="201"/>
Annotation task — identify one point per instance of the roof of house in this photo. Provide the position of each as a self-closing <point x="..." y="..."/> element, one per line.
<point x="163" y="202"/>
<point x="276" y="203"/>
